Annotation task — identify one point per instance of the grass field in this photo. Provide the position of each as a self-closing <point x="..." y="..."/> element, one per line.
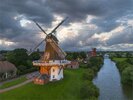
<point x="119" y="59"/>
<point x="66" y="89"/>
<point x="12" y="83"/>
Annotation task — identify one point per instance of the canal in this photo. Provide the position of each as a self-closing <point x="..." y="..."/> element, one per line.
<point x="108" y="82"/>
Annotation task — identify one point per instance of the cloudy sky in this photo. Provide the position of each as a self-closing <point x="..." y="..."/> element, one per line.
<point x="104" y="24"/>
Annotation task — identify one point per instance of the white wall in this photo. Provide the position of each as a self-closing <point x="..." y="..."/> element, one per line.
<point x="54" y="72"/>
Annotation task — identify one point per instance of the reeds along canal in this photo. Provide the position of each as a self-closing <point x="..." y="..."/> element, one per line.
<point x="108" y="80"/>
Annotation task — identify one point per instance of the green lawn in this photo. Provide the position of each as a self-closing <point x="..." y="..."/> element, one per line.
<point x="119" y="59"/>
<point x="12" y="83"/>
<point x="66" y="89"/>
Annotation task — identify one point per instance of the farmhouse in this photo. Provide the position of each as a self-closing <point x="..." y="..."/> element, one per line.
<point x="73" y="65"/>
<point x="7" y="70"/>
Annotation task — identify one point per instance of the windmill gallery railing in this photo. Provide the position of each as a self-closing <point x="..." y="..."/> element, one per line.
<point x="51" y="63"/>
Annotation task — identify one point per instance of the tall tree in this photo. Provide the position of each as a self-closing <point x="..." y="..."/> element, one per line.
<point x="18" y="57"/>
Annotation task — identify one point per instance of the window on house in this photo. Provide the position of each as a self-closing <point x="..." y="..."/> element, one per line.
<point x="53" y="76"/>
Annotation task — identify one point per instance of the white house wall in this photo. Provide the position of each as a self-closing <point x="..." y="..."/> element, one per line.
<point x="54" y="74"/>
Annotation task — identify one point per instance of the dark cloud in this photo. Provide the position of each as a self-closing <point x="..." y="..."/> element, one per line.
<point x="76" y="9"/>
<point x="107" y="13"/>
<point x="126" y="36"/>
<point x="29" y="9"/>
<point x="12" y="11"/>
<point x="32" y="9"/>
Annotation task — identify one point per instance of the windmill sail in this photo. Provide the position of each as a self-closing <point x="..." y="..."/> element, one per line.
<point x="53" y="51"/>
<point x="47" y="35"/>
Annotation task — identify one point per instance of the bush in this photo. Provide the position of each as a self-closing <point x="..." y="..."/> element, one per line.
<point x="127" y="75"/>
<point x="88" y="90"/>
<point x="17" y="57"/>
<point x="130" y="60"/>
<point x="88" y="75"/>
<point x="22" y="61"/>
<point x="24" y="70"/>
<point x="95" y="64"/>
<point x="29" y="64"/>
<point x="21" y="67"/>
<point x="96" y="61"/>
<point x="82" y="65"/>
<point x="126" y="70"/>
<point x="34" y="56"/>
<point x="122" y="65"/>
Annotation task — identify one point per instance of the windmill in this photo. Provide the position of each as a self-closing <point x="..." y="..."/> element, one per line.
<point x="53" y="60"/>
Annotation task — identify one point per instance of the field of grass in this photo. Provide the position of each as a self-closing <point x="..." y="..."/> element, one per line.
<point x="119" y="59"/>
<point x="12" y="83"/>
<point x="66" y="89"/>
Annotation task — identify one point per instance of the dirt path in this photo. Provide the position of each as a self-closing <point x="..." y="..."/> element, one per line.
<point x="16" y="86"/>
<point x="28" y="76"/>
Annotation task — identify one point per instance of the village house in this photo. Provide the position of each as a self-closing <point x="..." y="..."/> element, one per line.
<point x="73" y="65"/>
<point x="7" y="70"/>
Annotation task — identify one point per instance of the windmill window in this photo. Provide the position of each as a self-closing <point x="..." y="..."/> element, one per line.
<point x="53" y="70"/>
<point x="53" y="76"/>
<point x="71" y="66"/>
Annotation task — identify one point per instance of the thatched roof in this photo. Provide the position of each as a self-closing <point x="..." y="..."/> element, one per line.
<point x="6" y="66"/>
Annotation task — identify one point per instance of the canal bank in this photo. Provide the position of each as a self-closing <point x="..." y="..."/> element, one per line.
<point x="108" y="82"/>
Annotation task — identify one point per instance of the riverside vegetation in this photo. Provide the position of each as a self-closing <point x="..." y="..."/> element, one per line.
<point x="88" y="89"/>
<point x="125" y="66"/>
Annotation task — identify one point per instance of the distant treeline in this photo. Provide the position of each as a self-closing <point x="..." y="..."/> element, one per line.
<point x="76" y="55"/>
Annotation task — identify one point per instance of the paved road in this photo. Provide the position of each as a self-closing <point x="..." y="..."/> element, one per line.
<point x="28" y="76"/>
<point x="16" y="86"/>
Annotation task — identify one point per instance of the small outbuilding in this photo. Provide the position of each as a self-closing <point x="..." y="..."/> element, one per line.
<point x="7" y="70"/>
<point x="73" y="65"/>
<point x="2" y="57"/>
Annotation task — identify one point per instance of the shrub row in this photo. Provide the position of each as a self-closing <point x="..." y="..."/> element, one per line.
<point x="94" y="63"/>
<point x="88" y="89"/>
<point x="126" y="71"/>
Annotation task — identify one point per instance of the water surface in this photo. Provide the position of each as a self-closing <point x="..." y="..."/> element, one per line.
<point x="108" y="81"/>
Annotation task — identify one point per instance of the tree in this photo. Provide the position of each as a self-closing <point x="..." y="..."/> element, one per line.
<point x="88" y="75"/>
<point x="122" y="65"/>
<point x="18" y="57"/>
<point x="83" y="54"/>
<point x="128" y="55"/>
<point x="129" y="60"/>
<point x="127" y="75"/>
<point x="75" y="55"/>
<point x="34" y="56"/>
<point x="88" y="90"/>
<point x="118" y="55"/>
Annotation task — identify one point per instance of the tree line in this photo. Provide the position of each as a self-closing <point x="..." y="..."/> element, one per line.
<point x="89" y="91"/>
<point x="126" y="70"/>
<point x="22" y="60"/>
